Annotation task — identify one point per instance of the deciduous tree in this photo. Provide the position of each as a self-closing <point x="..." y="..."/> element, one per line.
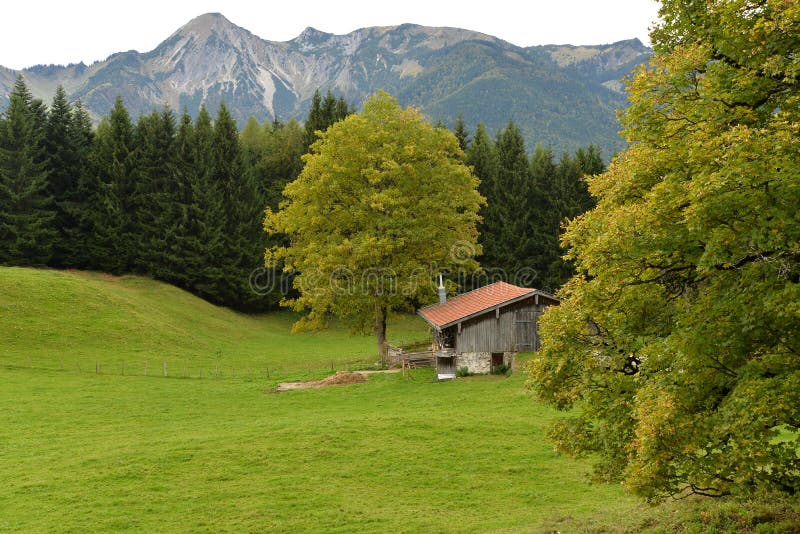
<point x="679" y="336"/>
<point x="382" y="197"/>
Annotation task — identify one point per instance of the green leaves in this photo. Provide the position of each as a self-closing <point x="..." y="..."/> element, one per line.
<point x="690" y="263"/>
<point x="381" y="199"/>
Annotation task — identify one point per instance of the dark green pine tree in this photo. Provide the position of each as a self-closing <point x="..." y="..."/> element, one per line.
<point x="314" y="120"/>
<point x="176" y="260"/>
<point x="26" y="210"/>
<point x="590" y="162"/>
<point x="115" y="241"/>
<point x="461" y="132"/>
<point x="323" y="113"/>
<point x="156" y="193"/>
<point x="243" y="238"/>
<point x="83" y="206"/>
<point x="254" y="141"/>
<point x="64" y="167"/>
<point x="570" y="198"/>
<point x="510" y="226"/>
<point x="342" y="109"/>
<point x="328" y="110"/>
<point x="546" y="200"/>
<point x="199" y="254"/>
<point x="482" y="158"/>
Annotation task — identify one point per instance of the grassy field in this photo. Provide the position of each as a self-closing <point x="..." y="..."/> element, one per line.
<point x="113" y="453"/>
<point x="81" y="451"/>
<point x="78" y="320"/>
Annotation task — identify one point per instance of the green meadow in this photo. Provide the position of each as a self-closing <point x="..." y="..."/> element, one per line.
<point x="82" y="451"/>
<point x="78" y="320"/>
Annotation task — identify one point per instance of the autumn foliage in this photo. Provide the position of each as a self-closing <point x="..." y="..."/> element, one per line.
<point x="678" y="341"/>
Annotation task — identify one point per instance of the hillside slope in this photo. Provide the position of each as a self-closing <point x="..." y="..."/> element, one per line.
<point x="53" y="318"/>
<point x="563" y="96"/>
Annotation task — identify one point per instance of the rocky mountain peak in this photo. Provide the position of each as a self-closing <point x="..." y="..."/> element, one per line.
<point x="206" y="24"/>
<point x="444" y="71"/>
<point x="311" y="38"/>
<point x="211" y="27"/>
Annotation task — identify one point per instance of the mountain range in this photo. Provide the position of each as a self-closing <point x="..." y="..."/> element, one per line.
<point x="562" y="96"/>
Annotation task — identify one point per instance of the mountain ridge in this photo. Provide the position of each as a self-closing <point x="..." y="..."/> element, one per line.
<point x="564" y="96"/>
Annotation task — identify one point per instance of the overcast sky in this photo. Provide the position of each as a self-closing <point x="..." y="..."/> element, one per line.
<point x="65" y="31"/>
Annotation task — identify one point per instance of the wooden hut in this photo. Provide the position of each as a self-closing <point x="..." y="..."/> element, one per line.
<point x="486" y="327"/>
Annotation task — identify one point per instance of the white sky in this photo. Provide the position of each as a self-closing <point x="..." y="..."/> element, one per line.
<point x="62" y="32"/>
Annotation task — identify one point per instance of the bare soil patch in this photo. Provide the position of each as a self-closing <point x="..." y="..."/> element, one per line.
<point x="340" y="378"/>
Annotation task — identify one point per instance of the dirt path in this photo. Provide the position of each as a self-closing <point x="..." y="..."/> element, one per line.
<point x="337" y="379"/>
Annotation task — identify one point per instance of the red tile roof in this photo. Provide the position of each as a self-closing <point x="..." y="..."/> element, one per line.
<point x="473" y="302"/>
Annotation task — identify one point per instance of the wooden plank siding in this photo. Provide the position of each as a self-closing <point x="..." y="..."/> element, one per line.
<point x="513" y="329"/>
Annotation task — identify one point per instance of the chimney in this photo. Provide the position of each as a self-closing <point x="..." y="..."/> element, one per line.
<point x="442" y="291"/>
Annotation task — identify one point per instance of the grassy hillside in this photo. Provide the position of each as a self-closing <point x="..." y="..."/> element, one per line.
<point x="52" y="319"/>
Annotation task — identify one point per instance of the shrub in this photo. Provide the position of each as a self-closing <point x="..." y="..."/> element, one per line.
<point x="502" y="369"/>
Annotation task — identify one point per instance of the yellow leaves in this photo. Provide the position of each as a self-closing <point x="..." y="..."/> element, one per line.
<point x="381" y="196"/>
<point x="685" y="262"/>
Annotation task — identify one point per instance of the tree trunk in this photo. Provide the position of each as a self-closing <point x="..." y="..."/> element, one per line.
<point x="380" y="331"/>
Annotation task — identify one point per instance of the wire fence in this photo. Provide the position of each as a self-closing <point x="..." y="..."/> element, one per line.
<point x="185" y="369"/>
<point x="214" y="366"/>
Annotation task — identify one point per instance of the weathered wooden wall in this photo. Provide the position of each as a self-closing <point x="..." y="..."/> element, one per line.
<point x="514" y="330"/>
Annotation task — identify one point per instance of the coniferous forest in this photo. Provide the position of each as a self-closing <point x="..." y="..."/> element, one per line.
<point x="182" y="199"/>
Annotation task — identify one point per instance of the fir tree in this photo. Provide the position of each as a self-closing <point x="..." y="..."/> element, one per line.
<point x="26" y="213"/>
<point x="84" y="206"/>
<point x="115" y="242"/>
<point x="509" y="226"/>
<point x="462" y="133"/>
<point x="68" y="142"/>
<point x="323" y="113"/>
<point x="243" y="237"/>
<point x="314" y="120"/>
<point x="546" y="199"/>
<point x="196" y="256"/>
<point x="155" y="193"/>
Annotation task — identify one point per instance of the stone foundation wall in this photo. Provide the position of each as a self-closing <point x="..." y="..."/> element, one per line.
<point x="480" y="362"/>
<point x="475" y="362"/>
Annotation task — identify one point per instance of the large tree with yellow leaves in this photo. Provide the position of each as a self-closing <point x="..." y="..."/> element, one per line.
<point x="383" y="203"/>
<point x="679" y="339"/>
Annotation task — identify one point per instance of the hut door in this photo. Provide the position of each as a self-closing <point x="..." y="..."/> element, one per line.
<point x="524" y="323"/>
<point x="497" y="359"/>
